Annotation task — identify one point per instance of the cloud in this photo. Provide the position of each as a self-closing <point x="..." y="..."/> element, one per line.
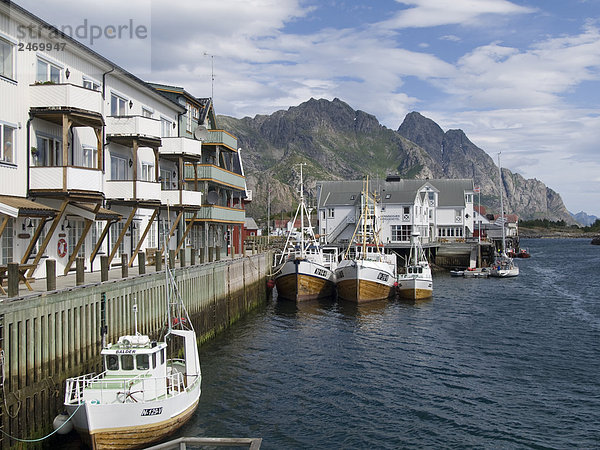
<point x="432" y="13"/>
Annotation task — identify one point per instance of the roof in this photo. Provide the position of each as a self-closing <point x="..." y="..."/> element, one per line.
<point x="398" y="191"/>
<point x="22" y="207"/>
<point x="250" y="224"/>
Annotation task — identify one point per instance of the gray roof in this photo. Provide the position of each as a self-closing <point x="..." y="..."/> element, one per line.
<point x="250" y="223"/>
<point x="347" y="193"/>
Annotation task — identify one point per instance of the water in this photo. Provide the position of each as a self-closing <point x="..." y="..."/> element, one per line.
<point x="509" y="363"/>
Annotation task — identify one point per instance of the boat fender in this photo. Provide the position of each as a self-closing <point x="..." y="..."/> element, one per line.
<point x="59" y="421"/>
<point x="126" y="342"/>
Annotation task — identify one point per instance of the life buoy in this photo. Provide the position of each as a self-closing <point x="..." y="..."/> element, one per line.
<point x="62" y="248"/>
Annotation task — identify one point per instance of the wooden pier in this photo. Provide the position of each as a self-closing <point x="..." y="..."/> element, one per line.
<point x="46" y="337"/>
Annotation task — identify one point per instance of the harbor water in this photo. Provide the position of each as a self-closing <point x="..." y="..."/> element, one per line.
<point x="486" y="363"/>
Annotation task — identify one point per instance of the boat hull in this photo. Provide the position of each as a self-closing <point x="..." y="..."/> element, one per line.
<point x="415" y="288"/>
<point x="302" y="280"/>
<point x="102" y="425"/>
<point x="364" y="281"/>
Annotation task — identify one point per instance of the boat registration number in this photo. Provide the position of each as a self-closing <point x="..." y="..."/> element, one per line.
<point x="152" y="411"/>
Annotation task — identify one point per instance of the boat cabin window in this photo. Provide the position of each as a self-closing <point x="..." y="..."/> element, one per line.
<point x="153" y="360"/>
<point x="162" y="356"/>
<point x="142" y="362"/>
<point x="112" y="362"/>
<point x="127" y="362"/>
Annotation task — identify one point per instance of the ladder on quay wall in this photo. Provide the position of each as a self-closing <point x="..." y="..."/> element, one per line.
<point x="196" y="442"/>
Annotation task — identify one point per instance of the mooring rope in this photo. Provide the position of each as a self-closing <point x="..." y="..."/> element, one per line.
<point x="45" y="437"/>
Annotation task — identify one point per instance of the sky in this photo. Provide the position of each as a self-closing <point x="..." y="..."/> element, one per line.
<point x="518" y="77"/>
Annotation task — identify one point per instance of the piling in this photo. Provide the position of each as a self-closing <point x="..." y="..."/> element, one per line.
<point x="50" y="274"/>
<point x="182" y="257"/>
<point x="13" y="279"/>
<point x="124" y="266"/>
<point x="192" y="256"/>
<point x="103" y="268"/>
<point x="79" y="270"/>
<point x="141" y="263"/>
<point x="217" y="253"/>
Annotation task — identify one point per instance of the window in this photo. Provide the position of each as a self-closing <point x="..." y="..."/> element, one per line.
<point x="91" y="84"/>
<point x="35" y="223"/>
<point x="90" y="157"/>
<point x="165" y="127"/>
<point x="118" y="168"/>
<point x="127" y="362"/>
<point x="165" y="179"/>
<point x="469" y="198"/>
<point x="117" y="105"/>
<point x="49" y="152"/>
<point x="401" y="232"/>
<point x="112" y="362"/>
<point x="115" y="231"/>
<point x="7" y="139"/>
<point x="192" y="117"/>
<point x="75" y="234"/>
<point x="153" y="360"/>
<point x="330" y="213"/>
<point x="6" y="59"/>
<point x="406" y="214"/>
<point x="152" y="236"/>
<point x="142" y="362"/>
<point x="147" y="112"/>
<point x="147" y="172"/>
<point x="6" y="250"/>
<point x="47" y="72"/>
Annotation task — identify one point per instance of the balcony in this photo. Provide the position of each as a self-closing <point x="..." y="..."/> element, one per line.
<point x="181" y="197"/>
<point x="218" y="175"/>
<point x="124" y="190"/>
<point x="64" y="97"/>
<point x="221" y="214"/>
<point x="65" y="178"/>
<point x="181" y="146"/>
<point x="221" y="137"/>
<point x="132" y="126"/>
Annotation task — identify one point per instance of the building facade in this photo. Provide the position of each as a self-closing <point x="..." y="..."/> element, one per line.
<point x="437" y="209"/>
<point x="96" y="161"/>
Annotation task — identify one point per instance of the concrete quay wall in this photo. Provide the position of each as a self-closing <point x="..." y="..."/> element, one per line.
<point x="50" y="337"/>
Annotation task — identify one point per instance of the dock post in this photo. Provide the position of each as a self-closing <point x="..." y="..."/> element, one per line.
<point x="192" y="256"/>
<point x="104" y="268"/>
<point x="217" y="253"/>
<point x="158" y="261"/>
<point x="124" y="266"/>
<point x="201" y="255"/>
<point x="141" y="263"/>
<point x="13" y="279"/>
<point x="182" y="257"/>
<point x="171" y="259"/>
<point x="50" y="274"/>
<point x="210" y="254"/>
<point x="79" y="270"/>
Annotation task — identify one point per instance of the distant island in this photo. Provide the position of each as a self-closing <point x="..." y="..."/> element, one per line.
<point x="539" y="228"/>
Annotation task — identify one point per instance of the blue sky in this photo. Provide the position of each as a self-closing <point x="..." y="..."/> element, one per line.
<point x="520" y="77"/>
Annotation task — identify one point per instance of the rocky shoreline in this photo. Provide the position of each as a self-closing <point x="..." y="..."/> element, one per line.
<point x="539" y="233"/>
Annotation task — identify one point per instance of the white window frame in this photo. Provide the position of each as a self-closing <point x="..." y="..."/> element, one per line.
<point x="147" y="173"/>
<point x="118" y="159"/>
<point x="4" y="146"/>
<point x="120" y="98"/>
<point x="49" y="65"/>
<point x="331" y="213"/>
<point x="54" y="151"/>
<point x="86" y="151"/>
<point x="11" y="45"/>
<point x="147" y="112"/>
<point x="93" y="85"/>
<point x="166" y="125"/>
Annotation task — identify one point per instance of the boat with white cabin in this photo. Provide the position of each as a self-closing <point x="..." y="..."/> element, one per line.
<point x="416" y="282"/>
<point x="303" y="271"/>
<point x="366" y="273"/>
<point x="144" y="393"/>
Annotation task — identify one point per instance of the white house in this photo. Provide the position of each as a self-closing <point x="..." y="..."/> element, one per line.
<point x="435" y="208"/>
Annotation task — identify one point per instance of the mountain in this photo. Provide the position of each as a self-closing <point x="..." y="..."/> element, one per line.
<point x="584" y="219"/>
<point x="337" y="142"/>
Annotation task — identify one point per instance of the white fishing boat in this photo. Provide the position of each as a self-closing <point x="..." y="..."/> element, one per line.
<point x="416" y="282"/>
<point x="302" y="271"/>
<point x="144" y="394"/>
<point x="366" y="273"/>
<point x="503" y="266"/>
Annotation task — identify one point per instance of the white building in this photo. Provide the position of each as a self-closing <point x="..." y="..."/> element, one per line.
<point x="92" y="156"/>
<point x="437" y="209"/>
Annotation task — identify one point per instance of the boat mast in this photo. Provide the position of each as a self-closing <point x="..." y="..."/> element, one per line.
<point x="366" y="218"/>
<point x="501" y="206"/>
<point x="301" y="212"/>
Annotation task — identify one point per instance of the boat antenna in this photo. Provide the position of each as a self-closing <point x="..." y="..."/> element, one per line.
<point x="135" y="315"/>
<point x="501" y="206"/>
